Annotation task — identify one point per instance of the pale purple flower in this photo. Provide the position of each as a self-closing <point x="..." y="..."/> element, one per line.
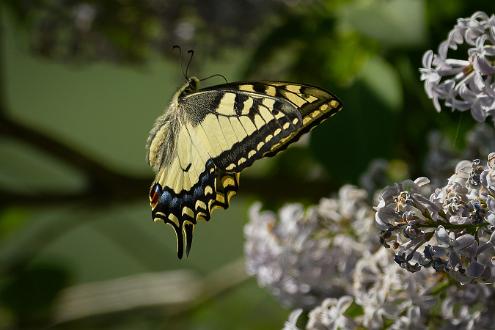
<point x="413" y="320"/>
<point x="467" y="83"/>
<point x="450" y="229"/>
<point x="468" y="307"/>
<point x="387" y="292"/>
<point x="301" y="256"/>
<point x="385" y="296"/>
<point x="291" y="323"/>
<point x="304" y="256"/>
<point x="331" y="315"/>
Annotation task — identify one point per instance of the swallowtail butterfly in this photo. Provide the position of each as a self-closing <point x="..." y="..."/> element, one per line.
<point x="207" y="136"/>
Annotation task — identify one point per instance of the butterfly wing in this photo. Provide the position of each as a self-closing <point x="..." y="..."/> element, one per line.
<point x="258" y="119"/>
<point x="224" y="129"/>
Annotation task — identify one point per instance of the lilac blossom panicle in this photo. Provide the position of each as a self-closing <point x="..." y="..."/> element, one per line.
<point x="388" y="292"/>
<point x="467" y="83"/>
<point x="469" y="307"/>
<point x="324" y="262"/>
<point x="303" y="257"/>
<point x="330" y="314"/>
<point x="386" y="296"/>
<point x="450" y="229"/>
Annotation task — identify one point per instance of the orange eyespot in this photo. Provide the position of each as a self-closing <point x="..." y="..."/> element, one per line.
<point x="155" y="193"/>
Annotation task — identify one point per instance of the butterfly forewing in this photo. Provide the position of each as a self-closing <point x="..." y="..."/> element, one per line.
<point x="219" y="131"/>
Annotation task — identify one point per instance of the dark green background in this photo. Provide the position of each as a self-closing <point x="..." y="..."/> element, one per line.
<point x="367" y="52"/>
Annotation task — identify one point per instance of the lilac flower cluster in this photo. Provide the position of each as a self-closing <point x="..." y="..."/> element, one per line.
<point x="464" y="84"/>
<point x="383" y="294"/>
<point x="304" y="257"/>
<point x="325" y="263"/>
<point x="469" y="307"/>
<point x="386" y="296"/>
<point x="329" y="315"/>
<point x="450" y="229"/>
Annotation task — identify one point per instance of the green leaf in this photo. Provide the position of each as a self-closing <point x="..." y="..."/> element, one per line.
<point x="384" y="82"/>
<point x="354" y="311"/>
<point x="346" y="54"/>
<point x="31" y="293"/>
<point x="12" y="219"/>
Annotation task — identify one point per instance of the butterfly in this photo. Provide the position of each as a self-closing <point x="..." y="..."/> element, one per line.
<point x="207" y="136"/>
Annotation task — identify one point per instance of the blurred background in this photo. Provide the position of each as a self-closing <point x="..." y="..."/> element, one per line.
<point x="81" y="83"/>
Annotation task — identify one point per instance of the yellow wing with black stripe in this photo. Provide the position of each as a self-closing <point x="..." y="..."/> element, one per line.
<point x="207" y="137"/>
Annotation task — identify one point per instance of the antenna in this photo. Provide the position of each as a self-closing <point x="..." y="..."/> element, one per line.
<point x="184" y="73"/>
<point x="190" y="51"/>
<point x="215" y="75"/>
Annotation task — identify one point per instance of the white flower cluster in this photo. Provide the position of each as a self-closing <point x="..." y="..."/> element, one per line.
<point x="304" y="257"/>
<point x="327" y="263"/>
<point x="464" y="84"/>
<point x="383" y="295"/>
<point x="386" y="296"/>
<point x="450" y="229"/>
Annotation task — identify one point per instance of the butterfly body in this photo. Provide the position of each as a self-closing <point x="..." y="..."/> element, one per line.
<point x="208" y="136"/>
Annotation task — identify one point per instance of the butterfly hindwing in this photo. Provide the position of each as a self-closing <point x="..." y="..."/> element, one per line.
<point x="215" y="133"/>
<point x="214" y="188"/>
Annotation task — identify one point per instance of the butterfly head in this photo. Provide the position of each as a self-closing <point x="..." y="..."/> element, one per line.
<point x="191" y="86"/>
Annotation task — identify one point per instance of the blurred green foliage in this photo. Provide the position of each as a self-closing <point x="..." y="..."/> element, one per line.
<point x="59" y="75"/>
<point x="29" y="302"/>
